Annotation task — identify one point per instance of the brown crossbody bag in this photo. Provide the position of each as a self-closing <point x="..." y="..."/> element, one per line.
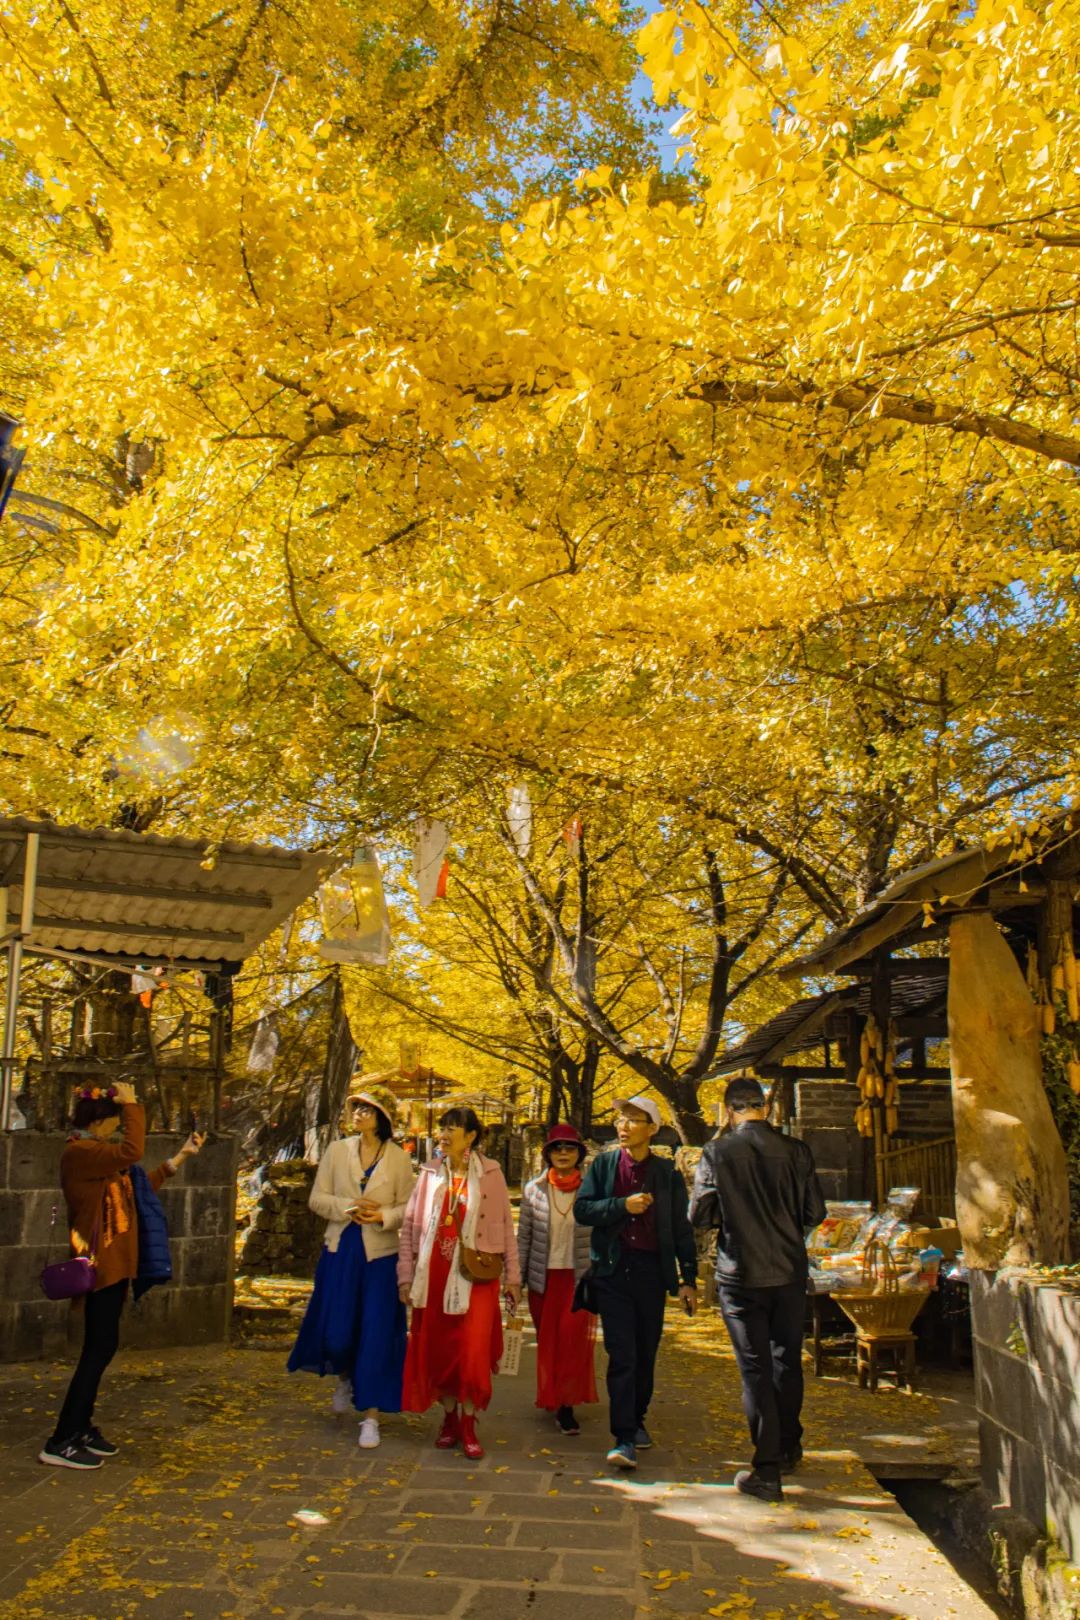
<point x="475" y="1263"/>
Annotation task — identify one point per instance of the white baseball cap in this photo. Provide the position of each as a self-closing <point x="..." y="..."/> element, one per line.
<point x="646" y="1105"/>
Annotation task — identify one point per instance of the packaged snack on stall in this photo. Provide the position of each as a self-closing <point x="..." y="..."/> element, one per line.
<point x="842" y="1229"/>
<point x="901" y="1201"/>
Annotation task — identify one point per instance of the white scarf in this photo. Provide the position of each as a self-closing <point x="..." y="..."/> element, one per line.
<point x="458" y="1290"/>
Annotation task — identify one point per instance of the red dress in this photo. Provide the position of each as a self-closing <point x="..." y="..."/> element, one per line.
<point x="452" y="1355"/>
<point x="565" y="1363"/>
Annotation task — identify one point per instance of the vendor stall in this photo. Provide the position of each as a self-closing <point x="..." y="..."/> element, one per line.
<point x="879" y="1268"/>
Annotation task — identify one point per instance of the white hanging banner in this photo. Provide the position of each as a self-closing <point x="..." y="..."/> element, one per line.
<point x="430" y="841"/>
<point x="519" y="819"/>
<point x="356" y="924"/>
<point x="264" y="1046"/>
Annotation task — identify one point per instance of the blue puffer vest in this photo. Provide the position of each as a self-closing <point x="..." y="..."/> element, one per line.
<point x="155" y="1261"/>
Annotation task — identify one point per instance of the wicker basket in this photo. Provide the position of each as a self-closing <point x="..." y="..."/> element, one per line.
<point x="880" y="1309"/>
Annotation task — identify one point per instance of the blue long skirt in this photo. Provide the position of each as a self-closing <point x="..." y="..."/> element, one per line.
<point x="354" y="1324"/>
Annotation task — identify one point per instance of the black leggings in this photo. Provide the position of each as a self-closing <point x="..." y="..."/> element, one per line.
<point x="101" y="1339"/>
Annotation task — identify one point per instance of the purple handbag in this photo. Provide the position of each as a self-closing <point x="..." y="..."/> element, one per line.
<point x="71" y="1279"/>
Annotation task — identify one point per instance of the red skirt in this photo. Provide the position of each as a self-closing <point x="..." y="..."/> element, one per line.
<point x="452" y="1355"/>
<point x="565" y="1371"/>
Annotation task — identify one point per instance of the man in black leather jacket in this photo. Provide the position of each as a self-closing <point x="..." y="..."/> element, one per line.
<point x="761" y="1190"/>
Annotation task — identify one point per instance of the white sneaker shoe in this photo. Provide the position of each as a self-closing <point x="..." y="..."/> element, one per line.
<point x="369" y="1433"/>
<point x="341" y="1399"/>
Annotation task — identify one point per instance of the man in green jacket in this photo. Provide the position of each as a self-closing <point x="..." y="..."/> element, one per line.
<point x="636" y="1204"/>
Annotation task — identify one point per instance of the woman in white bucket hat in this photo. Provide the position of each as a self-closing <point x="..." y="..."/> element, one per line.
<point x="354" y="1325"/>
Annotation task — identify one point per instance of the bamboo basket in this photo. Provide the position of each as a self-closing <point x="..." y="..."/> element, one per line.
<point x="880" y="1309"/>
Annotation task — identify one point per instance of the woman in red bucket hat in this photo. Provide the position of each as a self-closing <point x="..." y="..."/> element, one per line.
<point x="554" y="1252"/>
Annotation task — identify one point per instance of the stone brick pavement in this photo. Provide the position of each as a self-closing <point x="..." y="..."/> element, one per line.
<point x="219" y="1448"/>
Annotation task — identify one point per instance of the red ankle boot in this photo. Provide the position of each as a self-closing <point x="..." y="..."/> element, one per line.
<point x="470" y="1445"/>
<point x="450" y="1433"/>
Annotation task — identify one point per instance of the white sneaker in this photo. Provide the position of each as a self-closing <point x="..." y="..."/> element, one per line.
<point x="369" y="1433"/>
<point x="341" y="1399"/>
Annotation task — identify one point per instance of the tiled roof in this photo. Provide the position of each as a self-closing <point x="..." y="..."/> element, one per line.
<point x="801" y="1025"/>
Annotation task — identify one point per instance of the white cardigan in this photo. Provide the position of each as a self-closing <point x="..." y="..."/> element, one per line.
<point x="337" y="1188"/>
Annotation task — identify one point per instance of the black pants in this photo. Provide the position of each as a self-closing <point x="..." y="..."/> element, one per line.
<point x="766" y="1328"/>
<point x="101" y="1339"/>
<point x="631" y="1305"/>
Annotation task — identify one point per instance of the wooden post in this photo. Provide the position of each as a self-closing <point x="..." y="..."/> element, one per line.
<point x="853" y="1026"/>
<point x="1055" y="921"/>
<point x="217" y="1061"/>
<point x="881" y="1008"/>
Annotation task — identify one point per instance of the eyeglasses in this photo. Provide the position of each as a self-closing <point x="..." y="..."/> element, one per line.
<point x="627" y="1119"/>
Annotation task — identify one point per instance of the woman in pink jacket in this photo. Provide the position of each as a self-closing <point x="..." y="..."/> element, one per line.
<point x="455" y="1338"/>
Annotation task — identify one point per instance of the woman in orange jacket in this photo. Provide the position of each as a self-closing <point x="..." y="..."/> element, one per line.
<point x="111" y="1136"/>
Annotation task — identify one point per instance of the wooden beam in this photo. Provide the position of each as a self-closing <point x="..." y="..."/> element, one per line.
<point x="900" y="909"/>
<point x="818" y="1071"/>
<point x="157" y="891"/>
<point x="90" y="925"/>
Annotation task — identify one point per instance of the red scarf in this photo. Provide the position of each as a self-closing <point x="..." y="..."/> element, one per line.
<point x="565" y="1180"/>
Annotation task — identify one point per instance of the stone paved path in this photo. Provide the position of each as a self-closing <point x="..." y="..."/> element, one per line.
<point x="192" y="1520"/>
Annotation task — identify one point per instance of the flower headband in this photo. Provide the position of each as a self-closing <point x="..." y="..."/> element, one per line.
<point x="95" y="1094"/>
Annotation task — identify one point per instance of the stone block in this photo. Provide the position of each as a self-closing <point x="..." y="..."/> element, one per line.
<point x="582" y="1569"/>
<point x="37" y="1209"/>
<point x="198" y="1261"/>
<point x="1006" y="1392"/>
<point x="506" y="1603"/>
<point x="1063" y="1503"/>
<point x="1013" y="1471"/>
<point x="34" y="1158"/>
<point x="829" y="1145"/>
<point x="174" y="1201"/>
<point x="11" y="1218"/>
<point x="173" y="1315"/>
<point x="480" y="1563"/>
<point x="213" y="1210"/>
<point x="1052" y="1321"/>
<point x="480" y="1531"/>
<point x="338" y="1593"/>
<point x="215" y="1165"/>
<point x="20" y="1270"/>
<point x="556" y="1533"/>
<point x="995" y="1309"/>
<point x="834" y="1184"/>
<point x="39" y="1328"/>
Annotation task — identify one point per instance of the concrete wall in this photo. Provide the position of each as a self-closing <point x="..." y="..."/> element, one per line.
<point x="1027" y="1382"/>
<point x="825" y="1119"/>
<point x="200" y="1205"/>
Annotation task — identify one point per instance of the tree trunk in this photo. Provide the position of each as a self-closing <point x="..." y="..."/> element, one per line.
<point x="341" y="1056"/>
<point x="693" y="1128"/>
<point x="1012" y="1186"/>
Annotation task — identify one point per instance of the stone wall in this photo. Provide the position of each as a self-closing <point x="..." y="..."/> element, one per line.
<point x="825" y="1115"/>
<point x="1027" y="1384"/>
<point x="284" y="1238"/>
<point x="199" y="1203"/>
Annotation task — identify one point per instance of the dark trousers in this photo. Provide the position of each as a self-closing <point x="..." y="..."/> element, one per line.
<point x="631" y="1305"/>
<point x="101" y="1339"/>
<point x="766" y="1330"/>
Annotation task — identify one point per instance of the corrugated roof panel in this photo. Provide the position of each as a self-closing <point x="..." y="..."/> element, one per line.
<point x="138" y="897"/>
